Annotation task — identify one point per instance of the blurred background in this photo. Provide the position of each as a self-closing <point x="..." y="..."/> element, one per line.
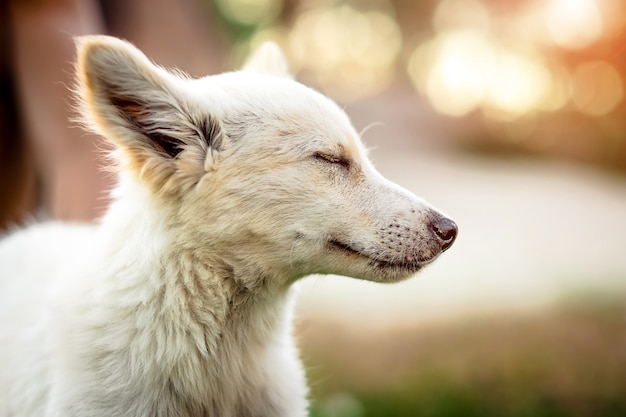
<point x="509" y="115"/>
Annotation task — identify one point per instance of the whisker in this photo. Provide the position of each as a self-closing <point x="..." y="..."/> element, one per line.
<point x="369" y="126"/>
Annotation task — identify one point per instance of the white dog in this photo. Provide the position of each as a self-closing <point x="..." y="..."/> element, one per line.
<point x="231" y="188"/>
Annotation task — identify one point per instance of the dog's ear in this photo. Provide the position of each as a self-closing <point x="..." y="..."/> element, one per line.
<point x="140" y="107"/>
<point x="268" y="59"/>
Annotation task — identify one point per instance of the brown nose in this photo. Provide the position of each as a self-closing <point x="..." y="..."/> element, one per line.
<point x="446" y="230"/>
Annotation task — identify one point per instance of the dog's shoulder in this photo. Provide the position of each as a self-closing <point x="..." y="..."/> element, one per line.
<point x="49" y="242"/>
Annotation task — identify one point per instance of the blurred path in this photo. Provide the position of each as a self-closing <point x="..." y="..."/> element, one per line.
<point x="531" y="231"/>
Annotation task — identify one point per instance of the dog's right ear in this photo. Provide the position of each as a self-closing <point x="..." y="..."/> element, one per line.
<point x="268" y="59"/>
<point x="141" y="108"/>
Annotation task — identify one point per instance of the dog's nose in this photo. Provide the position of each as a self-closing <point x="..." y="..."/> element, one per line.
<point x="446" y="230"/>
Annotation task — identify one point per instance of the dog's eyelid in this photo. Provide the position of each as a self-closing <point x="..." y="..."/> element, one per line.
<point x="333" y="159"/>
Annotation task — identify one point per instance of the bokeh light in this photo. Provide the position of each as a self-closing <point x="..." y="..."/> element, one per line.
<point x="598" y="88"/>
<point x="573" y="24"/>
<point x="450" y="71"/>
<point x="560" y="91"/>
<point x="462" y="70"/>
<point x="351" y="52"/>
<point x="506" y="62"/>
<point x="461" y="14"/>
<point x="249" y="12"/>
<point x="478" y="59"/>
<point x="516" y="84"/>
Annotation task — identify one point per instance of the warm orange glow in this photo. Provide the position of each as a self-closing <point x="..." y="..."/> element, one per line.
<point x="598" y="88"/>
<point x="466" y="66"/>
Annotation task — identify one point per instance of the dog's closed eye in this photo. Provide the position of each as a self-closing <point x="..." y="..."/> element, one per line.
<point x="333" y="159"/>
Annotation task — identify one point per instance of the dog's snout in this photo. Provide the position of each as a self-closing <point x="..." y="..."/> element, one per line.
<point x="446" y="230"/>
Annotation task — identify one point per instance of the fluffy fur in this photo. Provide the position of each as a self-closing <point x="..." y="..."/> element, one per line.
<point x="178" y="303"/>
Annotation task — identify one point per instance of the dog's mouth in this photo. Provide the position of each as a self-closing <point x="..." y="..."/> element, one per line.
<point x="378" y="261"/>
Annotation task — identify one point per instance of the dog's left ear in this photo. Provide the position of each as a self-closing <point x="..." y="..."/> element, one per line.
<point x="268" y="59"/>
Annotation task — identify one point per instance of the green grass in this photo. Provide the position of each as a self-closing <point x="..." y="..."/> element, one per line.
<point x="566" y="363"/>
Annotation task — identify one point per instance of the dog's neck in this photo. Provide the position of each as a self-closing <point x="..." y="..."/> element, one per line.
<point x="204" y="289"/>
<point x="210" y="298"/>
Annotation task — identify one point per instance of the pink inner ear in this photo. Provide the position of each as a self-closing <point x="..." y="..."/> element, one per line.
<point x="137" y="114"/>
<point x="131" y="109"/>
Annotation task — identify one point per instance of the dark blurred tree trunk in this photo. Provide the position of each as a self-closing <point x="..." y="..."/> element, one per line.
<point x="17" y="170"/>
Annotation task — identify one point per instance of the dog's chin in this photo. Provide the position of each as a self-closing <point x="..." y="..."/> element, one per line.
<point x="373" y="269"/>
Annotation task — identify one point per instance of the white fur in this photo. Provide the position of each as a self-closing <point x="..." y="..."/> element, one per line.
<point x="178" y="302"/>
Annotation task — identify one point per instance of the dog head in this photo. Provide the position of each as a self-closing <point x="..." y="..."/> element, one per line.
<point x="255" y="169"/>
